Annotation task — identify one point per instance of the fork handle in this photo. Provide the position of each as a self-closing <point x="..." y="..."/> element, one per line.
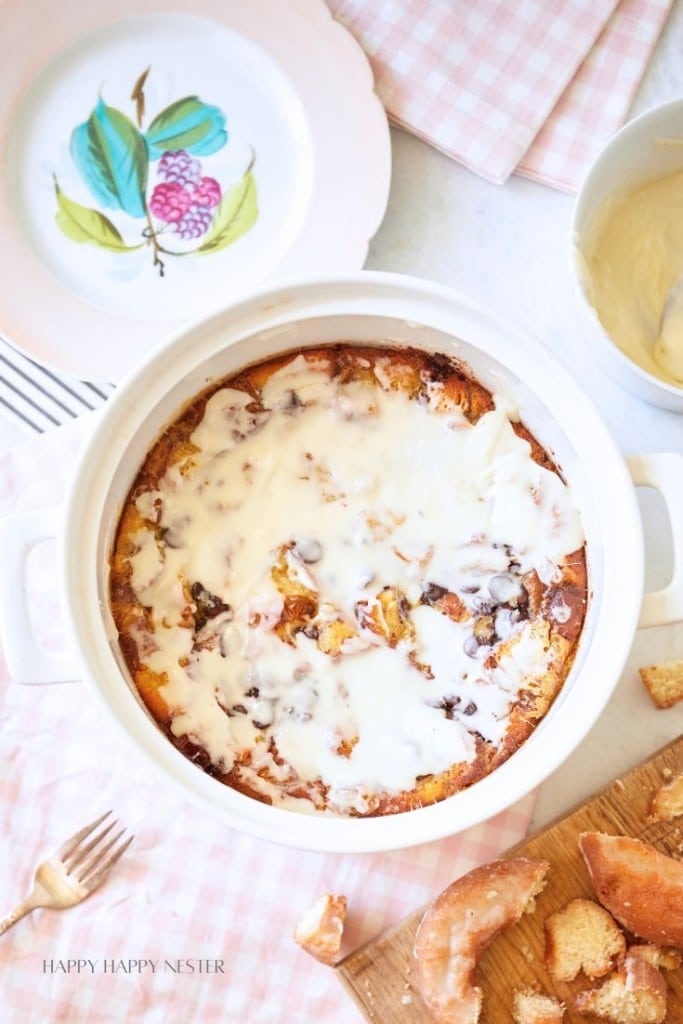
<point x="24" y="908"/>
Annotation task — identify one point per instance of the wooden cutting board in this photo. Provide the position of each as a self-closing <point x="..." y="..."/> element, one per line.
<point x="381" y="975"/>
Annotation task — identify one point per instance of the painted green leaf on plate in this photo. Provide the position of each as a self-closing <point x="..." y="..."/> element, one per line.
<point x="188" y="124"/>
<point x="236" y="214"/>
<point x="111" y="155"/>
<point x="81" y="224"/>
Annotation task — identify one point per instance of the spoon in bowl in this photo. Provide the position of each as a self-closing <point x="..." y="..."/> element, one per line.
<point x="668" y="348"/>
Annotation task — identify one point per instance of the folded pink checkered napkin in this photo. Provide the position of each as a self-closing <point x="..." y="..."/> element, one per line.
<point x="535" y="86"/>
<point x="195" y="922"/>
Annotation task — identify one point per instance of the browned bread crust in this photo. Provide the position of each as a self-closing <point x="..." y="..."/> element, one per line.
<point x="463" y="922"/>
<point x="641" y="887"/>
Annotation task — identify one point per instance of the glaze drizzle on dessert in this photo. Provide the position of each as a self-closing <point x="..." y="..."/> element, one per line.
<point x="346" y="581"/>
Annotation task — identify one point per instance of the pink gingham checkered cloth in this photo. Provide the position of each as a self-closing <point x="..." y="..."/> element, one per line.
<point x="536" y="86"/>
<point x="188" y="888"/>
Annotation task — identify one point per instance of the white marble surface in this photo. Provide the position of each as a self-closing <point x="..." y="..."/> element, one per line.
<point x="508" y="248"/>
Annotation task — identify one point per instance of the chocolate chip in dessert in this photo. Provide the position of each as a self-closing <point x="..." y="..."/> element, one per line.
<point x="308" y="549"/>
<point x="471" y="646"/>
<point x="504" y="588"/>
<point x="505" y="621"/>
<point x="449" y="704"/>
<point x="208" y="606"/>
<point x="432" y="592"/>
<point x="170" y="537"/>
<point x="292" y="402"/>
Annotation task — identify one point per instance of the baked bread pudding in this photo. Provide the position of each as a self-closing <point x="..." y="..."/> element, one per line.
<point x="348" y="580"/>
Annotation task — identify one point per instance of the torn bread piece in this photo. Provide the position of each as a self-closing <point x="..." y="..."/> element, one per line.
<point x="531" y="1007"/>
<point x="582" y="936"/>
<point x="659" y="956"/>
<point x="664" y="682"/>
<point x="320" y="929"/>
<point x="463" y="922"/>
<point x="666" y="803"/>
<point x="641" y="887"/>
<point x="633" y="994"/>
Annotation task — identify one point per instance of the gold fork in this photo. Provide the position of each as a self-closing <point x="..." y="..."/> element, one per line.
<point x="72" y="872"/>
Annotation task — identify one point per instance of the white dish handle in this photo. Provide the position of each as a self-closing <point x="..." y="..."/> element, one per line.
<point x="664" y="472"/>
<point x="27" y="659"/>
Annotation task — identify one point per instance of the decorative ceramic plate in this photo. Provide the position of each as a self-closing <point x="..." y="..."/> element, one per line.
<point x="161" y="158"/>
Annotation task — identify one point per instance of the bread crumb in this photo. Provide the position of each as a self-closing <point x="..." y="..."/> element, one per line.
<point x="666" y="802"/>
<point x="582" y="936"/>
<point x="633" y="994"/>
<point x="533" y="1007"/>
<point x="664" y="682"/>
<point x="527" y="953"/>
<point x="320" y="930"/>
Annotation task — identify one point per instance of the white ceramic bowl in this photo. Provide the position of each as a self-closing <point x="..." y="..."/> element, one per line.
<point x="364" y="308"/>
<point x="641" y="151"/>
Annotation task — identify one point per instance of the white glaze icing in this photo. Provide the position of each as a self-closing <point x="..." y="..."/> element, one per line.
<point x="358" y="488"/>
<point x="633" y="258"/>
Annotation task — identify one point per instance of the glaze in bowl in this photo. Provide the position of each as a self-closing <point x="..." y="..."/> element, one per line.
<point x="647" y="148"/>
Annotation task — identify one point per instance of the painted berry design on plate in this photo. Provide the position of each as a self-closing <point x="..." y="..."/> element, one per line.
<point x="179" y="168"/>
<point x="170" y="202"/>
<point x="183" y="199"/>
<point x="155" y="176"/>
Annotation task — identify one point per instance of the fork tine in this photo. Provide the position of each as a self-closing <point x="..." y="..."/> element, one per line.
<point x="70" y="845"/>
<point x="86" y="866"/>
<point x="80" y="853"/>
<point x="99" y="870"/>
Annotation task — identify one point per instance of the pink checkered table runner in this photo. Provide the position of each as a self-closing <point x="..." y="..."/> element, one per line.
<point x="535" y="86"/>
<point x="195" y="922"/>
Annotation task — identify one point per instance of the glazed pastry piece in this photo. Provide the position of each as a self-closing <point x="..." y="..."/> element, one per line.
<point x="658" y="956"/>
<point x="641" y="887"/>
<point x="634" y="994"/>
<point x="320" y="929"/>
<point x="582" y="936"/>
<point x="461" y="924"/>
<point x="531" y="1007"/>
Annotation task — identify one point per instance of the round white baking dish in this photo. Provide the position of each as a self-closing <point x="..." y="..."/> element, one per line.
<point x="364" y="308"/>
